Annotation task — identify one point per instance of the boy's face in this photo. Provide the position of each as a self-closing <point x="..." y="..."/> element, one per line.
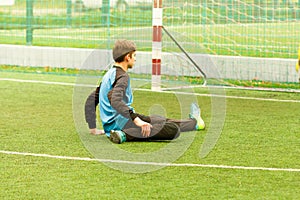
<point x="131" y="60"/>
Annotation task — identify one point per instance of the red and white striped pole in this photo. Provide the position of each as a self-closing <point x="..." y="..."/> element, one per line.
<point x="156" y="44"/>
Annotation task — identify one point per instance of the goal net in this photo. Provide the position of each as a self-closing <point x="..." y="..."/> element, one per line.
<point x="249" y="39"/>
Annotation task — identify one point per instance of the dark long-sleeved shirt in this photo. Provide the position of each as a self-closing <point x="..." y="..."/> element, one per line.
<point x="115" y="97"/>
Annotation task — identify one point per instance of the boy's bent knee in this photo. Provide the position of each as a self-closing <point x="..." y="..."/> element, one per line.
<point x="170" y="131"/>
<point x="175" y="130"/>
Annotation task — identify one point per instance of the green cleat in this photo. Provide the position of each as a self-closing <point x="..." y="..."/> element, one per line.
<point x="117" y="137"/>
<point x="196" y="114"/>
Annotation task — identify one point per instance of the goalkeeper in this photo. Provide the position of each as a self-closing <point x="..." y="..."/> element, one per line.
<point x="120" y="121"/>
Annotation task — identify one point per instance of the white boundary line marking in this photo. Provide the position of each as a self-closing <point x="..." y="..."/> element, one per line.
<point x="149" y="163"/>
<point x="171" y="92"/>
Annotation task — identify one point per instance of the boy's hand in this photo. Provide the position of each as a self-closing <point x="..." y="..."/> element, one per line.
<point x="146" y="127"/>
<point x="95" y="131"/>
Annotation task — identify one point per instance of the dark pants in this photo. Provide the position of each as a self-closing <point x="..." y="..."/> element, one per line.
<point x="162" y="128"/>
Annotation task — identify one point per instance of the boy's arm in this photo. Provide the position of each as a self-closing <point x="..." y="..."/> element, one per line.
<point x="116" y="96"/>
<point x="90" y="111"/>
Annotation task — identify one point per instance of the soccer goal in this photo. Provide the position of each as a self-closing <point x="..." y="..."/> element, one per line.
<point x="188" y="42"/>
<point x="238" y="40"/>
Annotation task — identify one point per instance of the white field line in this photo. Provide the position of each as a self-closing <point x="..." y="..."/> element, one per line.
<point x="46" y="82"/>
<point x="149" y="163"/>
<point x="171" y="92"/>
